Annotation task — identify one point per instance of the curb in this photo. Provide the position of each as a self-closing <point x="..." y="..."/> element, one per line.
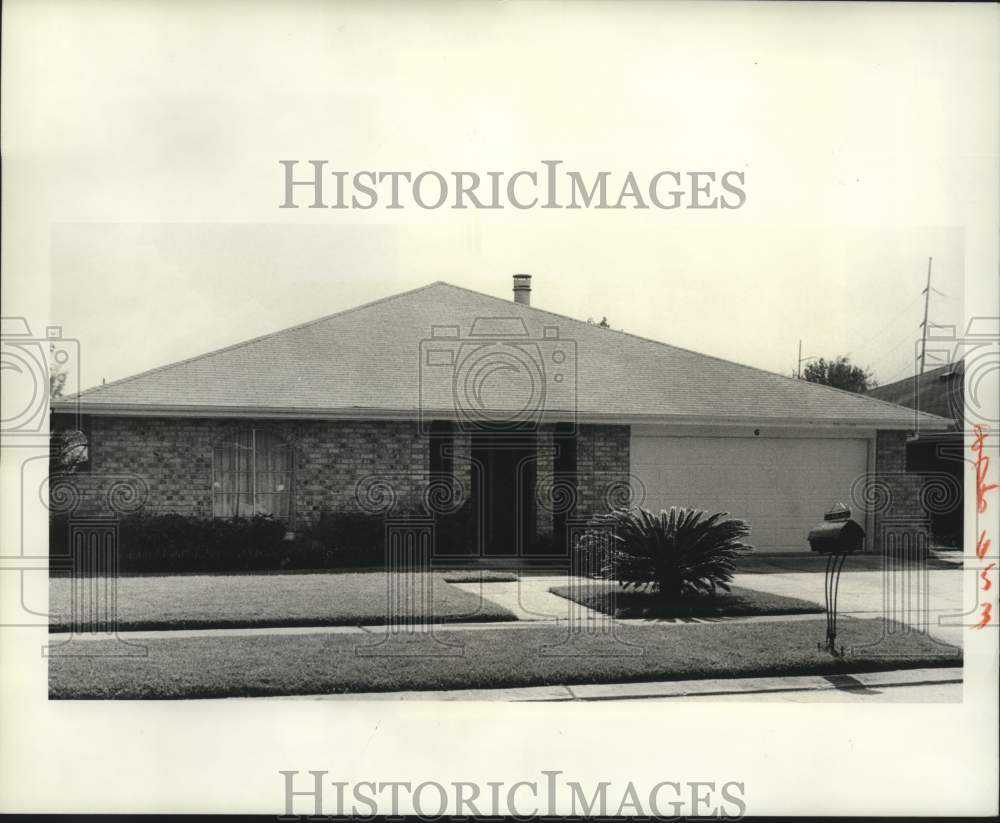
<point x="862" y="682"/>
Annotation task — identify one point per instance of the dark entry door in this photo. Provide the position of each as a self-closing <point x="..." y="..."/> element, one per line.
<point x="503" y="487"/>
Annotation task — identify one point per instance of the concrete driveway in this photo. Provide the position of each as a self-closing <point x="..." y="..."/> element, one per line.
<point x="922" y="599"/>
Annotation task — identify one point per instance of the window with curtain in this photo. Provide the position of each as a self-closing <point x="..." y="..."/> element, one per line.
<point x="252" y="474"/>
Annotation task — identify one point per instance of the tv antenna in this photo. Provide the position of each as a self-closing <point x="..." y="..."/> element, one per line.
<point x="927" y="301"/>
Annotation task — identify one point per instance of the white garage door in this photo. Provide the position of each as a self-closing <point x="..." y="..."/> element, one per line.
<point x="781" y="486"/>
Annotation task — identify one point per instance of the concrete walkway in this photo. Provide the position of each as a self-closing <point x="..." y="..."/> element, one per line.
<point x="938" y="685"/>
<point x="530" y="599"/>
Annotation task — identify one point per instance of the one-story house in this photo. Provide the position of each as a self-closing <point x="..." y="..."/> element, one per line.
<point x="442" y="396"/>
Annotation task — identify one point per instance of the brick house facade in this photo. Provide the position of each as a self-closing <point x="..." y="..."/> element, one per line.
<point x="408" y="402"/>
<point x="172" y="461"/>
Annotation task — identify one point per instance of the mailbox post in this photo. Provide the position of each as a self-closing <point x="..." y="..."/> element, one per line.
<point x="837" y="536"/>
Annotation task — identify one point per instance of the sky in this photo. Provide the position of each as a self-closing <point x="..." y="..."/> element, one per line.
<point x="146" y="139"/>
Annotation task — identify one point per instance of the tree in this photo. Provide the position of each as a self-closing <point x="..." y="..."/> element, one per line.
<point x="841" y="374"/>
<point x="69" y="450"/>
<point x="57" y="375"/>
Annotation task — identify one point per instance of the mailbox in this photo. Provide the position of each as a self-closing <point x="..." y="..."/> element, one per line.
<point x="837" y="534"/>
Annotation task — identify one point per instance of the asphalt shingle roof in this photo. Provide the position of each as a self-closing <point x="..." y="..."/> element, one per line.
<point x="381" y="359"/>
<point x="938" y="391"/>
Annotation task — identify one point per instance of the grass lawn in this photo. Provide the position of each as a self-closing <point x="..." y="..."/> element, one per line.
<point x="487" y="658"/>
<point x="610" y="598"/>
<point x="230" y="601"/>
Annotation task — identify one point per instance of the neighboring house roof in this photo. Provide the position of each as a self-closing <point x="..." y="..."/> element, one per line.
<point x="938" y="391"/>
<point x="380" y="360"/>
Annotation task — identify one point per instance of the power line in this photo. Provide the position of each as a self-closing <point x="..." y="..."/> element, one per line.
<point x="890" y="327"/>
<point x="920" y="363"/>
<point x="886" y="352"/>
<point x="886" y="327"/>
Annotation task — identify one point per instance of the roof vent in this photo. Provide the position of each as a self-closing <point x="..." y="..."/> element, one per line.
<point x="522" y="289"/>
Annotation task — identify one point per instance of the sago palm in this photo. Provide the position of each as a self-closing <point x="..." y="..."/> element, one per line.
<point x="676" y="553"/>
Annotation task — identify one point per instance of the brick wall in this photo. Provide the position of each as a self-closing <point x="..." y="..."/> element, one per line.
<point x="543" y="477"/>
<point x="602" y="471"/>
<point x="895" y="496"/>
<point x="174" y="458"/>
<point x="602" y="461"/>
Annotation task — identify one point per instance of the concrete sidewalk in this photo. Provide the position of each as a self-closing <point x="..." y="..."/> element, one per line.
<point x="937" y="685"/>
<point x="377" y="628"/>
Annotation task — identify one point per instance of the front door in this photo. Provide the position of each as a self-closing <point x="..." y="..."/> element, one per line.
<point x="503" y="488"/>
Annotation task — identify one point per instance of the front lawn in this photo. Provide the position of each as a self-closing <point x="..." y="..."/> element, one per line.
<point x="610" y="598"/>
<point x="232" y="601"/>
<point x="537" y="655"/>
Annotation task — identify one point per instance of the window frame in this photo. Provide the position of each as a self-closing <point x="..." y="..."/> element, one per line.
<point x="230" y="440"/>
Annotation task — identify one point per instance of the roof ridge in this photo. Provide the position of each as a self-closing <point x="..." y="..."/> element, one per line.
<point x="232" y="346"/>
<point x="796" y="380"/>
<point x="957" y="364"/>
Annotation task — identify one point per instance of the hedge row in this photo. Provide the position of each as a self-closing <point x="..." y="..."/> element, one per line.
<point x="176" y="543"/>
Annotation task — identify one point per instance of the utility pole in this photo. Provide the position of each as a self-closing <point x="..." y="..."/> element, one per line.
<point x="927" y="300"/>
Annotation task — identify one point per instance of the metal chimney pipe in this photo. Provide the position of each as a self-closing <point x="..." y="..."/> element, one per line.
<point x="522" y="289"/>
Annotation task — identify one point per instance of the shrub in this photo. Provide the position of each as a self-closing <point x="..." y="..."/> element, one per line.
<point x="174" y="542"/>
<point x="675" y="553"/>
<point x="348" y="538"/>
<point x="177" y="543"/>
